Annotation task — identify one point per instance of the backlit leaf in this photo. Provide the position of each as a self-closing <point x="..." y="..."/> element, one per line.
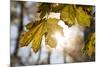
<point x="52" y="28"/>
<point x="82" y="17"/>
<point x="72" y="15"/>
<point x="25" y="39"/>
<point x="36" y="43"/>
<point x="34" y="35"/>
<point x="68" y="14"/>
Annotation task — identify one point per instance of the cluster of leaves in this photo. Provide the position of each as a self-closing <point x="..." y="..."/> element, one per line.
<point x="73" y="14"/>
<point x="46" y="8"/>
<point x="70" y="14"/>
<point x="35" y="32"/>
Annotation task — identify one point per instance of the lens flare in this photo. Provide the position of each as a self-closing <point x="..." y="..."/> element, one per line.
<point x="58" y="37"/>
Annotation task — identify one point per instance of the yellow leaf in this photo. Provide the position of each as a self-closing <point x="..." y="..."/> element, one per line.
<point x="82" y="17"/>
<point x="44" y="9"/>
<point x="25" y="39"/>
<point x="30" y="25"/>
<point x="90" y="49"/>
<point x="72" y="14"/>
<point x="68" y="14"/>
<point x="55" y="7"/>
<point x="52" y="28"/>
<point x="36" y="43"/>
<point x="34" y="34"/>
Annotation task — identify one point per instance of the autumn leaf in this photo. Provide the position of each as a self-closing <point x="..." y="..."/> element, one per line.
<point x="57" y="7"/>
<point x="36" y="43"/>
<point x="82" y="17"/>
<point x="68" y="14"/>
<point x="34" y="35"/>
<point x="29" y="25"/>
<point x="90" y="48"/>
<point x="73" y="15"/>
<point x="44" y="9"/>
<point x="25" y="38"/>
<point x="52" y="28"/>
<point x="32" y="25"/>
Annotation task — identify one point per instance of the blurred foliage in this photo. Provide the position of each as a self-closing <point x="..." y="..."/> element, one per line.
<point x="89" y="48"/>
<point x="91" y="45"/>
<point x="82" y="17"/>
<point x="44" y="9"/>
<point x="56" y="7"/>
